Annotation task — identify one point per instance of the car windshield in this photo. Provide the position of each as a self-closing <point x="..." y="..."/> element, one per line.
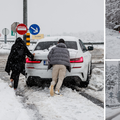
<point x="48" y="44"/>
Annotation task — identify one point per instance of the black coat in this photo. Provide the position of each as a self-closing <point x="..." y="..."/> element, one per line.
<point x="16" y="58"/>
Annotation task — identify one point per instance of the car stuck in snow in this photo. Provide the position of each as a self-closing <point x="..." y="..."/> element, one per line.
<point x="80" y="59"/>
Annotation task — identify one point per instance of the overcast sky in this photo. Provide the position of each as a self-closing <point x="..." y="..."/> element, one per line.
<point x="55" y="16"/>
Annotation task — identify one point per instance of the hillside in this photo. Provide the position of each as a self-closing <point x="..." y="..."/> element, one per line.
<point x="112" y="13"/>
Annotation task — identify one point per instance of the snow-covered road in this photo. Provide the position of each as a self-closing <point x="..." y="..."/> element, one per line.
<point x="70" y="106"/>
<point x="36" y="103"/>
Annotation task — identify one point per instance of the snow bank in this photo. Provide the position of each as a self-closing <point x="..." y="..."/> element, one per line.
<point x="97" y="79"/>
<point x="96" y="85"/>
<point x="4" y="52"/>
<point x="5" y="48"/>
<point x="10" y="108"/>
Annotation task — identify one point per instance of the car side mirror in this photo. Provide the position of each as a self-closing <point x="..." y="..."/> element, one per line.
<point x="90" y="48"/>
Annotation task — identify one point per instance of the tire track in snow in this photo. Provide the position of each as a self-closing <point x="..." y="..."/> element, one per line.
<point x="89" y="97"/>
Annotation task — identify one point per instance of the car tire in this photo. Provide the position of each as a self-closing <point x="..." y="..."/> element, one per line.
<point x="84" y="84"/>
<point x="33" y="81"/>
<point x="29" y="82"/>
<point x="90" y="68"/>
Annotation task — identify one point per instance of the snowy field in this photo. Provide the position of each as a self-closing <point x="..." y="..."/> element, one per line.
<point x="112" y="44"/>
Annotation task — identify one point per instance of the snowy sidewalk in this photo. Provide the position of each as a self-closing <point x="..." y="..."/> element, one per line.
<point x="10" y="108"/>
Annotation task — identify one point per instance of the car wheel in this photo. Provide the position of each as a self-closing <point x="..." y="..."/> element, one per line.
<point x="84" y="84"/>
<point x="33" y="81"/>
<point x="90" y="68"/>
<point x="29" y="82"/>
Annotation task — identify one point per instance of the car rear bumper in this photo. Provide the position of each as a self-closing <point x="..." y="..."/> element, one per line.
<point x="44" y="73"/>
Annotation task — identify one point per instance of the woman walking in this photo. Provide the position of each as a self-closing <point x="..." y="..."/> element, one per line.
<point x="16" y="61"/>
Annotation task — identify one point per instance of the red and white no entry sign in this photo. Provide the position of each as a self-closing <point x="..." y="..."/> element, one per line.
<point x="21" y="29"/>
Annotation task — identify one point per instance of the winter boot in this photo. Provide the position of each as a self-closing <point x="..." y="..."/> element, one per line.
<point x="11" y="84"/>
<point x="17" y="92"/>
<point x="51" y="90"/>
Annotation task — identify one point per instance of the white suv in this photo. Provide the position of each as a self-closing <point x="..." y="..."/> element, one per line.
<point x="80" y="59"/>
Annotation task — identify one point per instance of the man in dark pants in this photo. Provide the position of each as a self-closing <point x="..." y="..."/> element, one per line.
<point x="16" y="61"/>
<point x="59" y="59"/>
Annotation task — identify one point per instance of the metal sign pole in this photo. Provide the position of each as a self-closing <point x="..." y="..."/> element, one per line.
<point x="5" y="39"/>
<point x="16" y="31"/>
<point x="16" y="35"/>
<point x="5" y="36"/>
<point x="5" y="32"/>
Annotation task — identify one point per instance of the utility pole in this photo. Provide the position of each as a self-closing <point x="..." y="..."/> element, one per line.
<point x="24" y="16"/>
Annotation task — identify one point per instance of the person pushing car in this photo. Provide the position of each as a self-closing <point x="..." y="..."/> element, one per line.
<point x="59" y="59"/>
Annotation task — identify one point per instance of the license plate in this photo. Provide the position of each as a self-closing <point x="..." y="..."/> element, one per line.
<point x="45" y="62"/>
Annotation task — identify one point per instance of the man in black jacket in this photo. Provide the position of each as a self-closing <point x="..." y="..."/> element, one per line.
<point x="59" y="59"/>
<point x="16" y="61"/>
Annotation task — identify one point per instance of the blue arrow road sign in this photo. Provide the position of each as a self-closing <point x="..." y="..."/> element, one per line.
<point x="34" y="29"/>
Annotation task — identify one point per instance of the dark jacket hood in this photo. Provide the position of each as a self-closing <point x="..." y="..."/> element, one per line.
<point x="19" y="41"/>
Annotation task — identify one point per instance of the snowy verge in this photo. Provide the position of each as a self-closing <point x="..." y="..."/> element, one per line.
<point x="97" y="78"/>
<point x="10" y="108"/>
<point x="97" y="84"/>
<point x="4" y="52"/>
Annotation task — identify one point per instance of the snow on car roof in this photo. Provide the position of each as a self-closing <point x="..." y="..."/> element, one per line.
<point x="56" y="38"/>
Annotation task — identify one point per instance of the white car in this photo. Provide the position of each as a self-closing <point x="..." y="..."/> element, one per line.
<point x="80" y="59"/>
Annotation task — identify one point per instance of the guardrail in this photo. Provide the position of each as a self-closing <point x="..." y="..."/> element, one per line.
<point x="86" y="43"/>
<point x="94" y="43"/>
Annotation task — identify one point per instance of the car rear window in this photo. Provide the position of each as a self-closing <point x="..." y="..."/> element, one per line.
<point x="47" y="44"/>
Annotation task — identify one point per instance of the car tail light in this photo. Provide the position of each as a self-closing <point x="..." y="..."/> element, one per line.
<point x="77" y="60"/>
<point x="29" y="61"/>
